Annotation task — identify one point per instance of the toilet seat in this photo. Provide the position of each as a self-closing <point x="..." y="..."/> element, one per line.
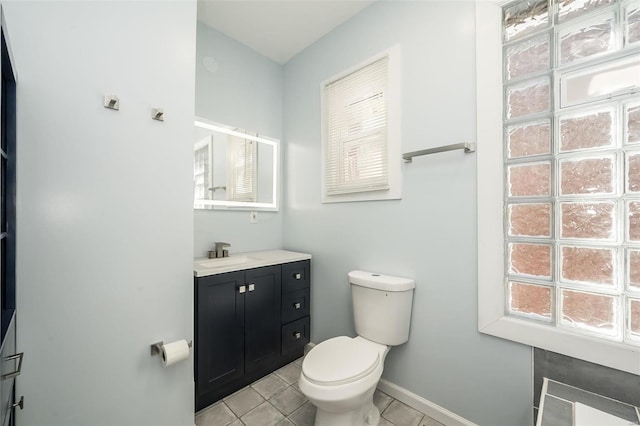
<point x="339" y="361"/>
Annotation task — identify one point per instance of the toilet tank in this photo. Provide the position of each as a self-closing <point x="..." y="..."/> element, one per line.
<point x="382" y="306"/>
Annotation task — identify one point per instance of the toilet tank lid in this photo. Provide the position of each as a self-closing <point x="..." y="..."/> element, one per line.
<point x="380" y="281"/>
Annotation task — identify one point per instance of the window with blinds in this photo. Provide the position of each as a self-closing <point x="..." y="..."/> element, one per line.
<point x="241" y="170"/>
<point x="356" y="139"/>
<point x="201" y="169"/>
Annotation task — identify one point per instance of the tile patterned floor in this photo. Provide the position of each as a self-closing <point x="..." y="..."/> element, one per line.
<point x="275" y="400"/>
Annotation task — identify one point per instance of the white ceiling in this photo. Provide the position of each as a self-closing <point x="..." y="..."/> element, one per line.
<point x="278" y="29"/>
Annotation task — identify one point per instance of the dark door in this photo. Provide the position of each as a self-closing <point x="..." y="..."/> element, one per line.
<point x="10" y="362"/>
<point x="262" y="317"/>
<point x="219" y="331"/>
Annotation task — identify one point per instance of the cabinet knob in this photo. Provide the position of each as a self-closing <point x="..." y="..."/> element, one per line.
<point x="297" y="335"/>
<point x="297" y="305"/>
<point x="242" y="289"/>
<point x="297" y="276"/>
<point x="252" y="287"/>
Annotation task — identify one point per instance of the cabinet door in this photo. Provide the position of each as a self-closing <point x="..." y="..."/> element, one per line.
<point x="219" y="330"/>
<point x="262" y="317"/>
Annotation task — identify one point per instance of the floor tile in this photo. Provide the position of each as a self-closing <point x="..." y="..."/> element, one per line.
<point x="269" y="386"/>
<point x="235" y="393"/>
<point x="268" y="402"/>
<point x="304" y="416"/>
<point x="216" y="415"/>
<point x="264" y="415"/>
<point x="381" y="400"/>
<point x="289" y="373"/>
<point x="288" y="401"/>
<point x="385" y="422"/>
<point x="428" y="421"/>
<point x="401" y="414"/>
<point x="244" y="401"/>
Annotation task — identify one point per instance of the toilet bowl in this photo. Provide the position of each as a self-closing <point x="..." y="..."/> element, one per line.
<point x="340" y="375"/>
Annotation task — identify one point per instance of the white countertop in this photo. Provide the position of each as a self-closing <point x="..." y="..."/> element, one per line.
<point x="203" y="266"/>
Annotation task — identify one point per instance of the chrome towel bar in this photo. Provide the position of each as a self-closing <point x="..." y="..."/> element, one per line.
<point x="468" y="148"/>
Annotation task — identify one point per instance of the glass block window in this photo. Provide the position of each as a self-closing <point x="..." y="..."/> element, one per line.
<point x="572" y="165"/>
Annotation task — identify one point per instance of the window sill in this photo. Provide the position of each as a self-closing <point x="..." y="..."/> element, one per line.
<point x="610" y="354"/>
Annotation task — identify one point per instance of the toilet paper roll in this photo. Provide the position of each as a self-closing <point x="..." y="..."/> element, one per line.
<point x="174" y="352"/>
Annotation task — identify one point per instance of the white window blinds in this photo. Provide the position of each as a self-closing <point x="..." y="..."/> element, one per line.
<point x="241" y="170"/>
<point x="201" y="167"/>
<point x="356" y="155"/>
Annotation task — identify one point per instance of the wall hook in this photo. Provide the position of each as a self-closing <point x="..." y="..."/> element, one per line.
<point x="157" y="114"/>
<point x="111" y="102"/>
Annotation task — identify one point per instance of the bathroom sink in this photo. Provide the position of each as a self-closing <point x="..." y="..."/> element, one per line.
<point x="224" y="262"/>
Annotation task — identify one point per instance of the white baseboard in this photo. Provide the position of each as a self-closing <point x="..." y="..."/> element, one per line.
<point x="417" y="402"/>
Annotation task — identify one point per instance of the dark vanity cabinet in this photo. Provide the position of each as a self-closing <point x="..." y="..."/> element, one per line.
<point x="247" y="324"/>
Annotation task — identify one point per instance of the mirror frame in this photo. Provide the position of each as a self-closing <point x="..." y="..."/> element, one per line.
<point x="243" y="205"/>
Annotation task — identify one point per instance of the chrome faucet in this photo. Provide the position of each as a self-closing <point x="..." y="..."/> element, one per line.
<point x="219" y="250"/>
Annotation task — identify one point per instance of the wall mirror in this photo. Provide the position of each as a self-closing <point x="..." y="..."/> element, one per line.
<point x="234" y="169"/>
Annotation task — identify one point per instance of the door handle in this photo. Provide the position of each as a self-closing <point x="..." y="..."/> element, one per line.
<point x="297" y="335"/>
<point x="19" y="404"/>
<point x="297" y="305"/>
<point x="19" y="357"/>
<point x="252" y="287"/>
<point x="297" y="276"/>
<point x="242" y="289"/>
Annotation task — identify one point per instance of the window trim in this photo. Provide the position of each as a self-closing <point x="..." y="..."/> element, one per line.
<point x="394" y="155"/>
<point x="491" y="281"/>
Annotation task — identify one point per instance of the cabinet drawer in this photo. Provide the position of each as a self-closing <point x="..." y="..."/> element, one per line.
<point x="295" y="335"/>
<point x="295" y="276"/>
<point x="295" y="305"/>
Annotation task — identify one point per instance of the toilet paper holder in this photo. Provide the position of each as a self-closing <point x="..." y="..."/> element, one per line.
<point x="156" y="348"/>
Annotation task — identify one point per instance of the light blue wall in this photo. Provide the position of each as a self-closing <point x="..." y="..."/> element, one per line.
<point x="430" y="234"/>
<point x="242" y="89"/>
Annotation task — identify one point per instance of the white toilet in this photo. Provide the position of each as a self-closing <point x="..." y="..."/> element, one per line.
<point x="340" y="375"/>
